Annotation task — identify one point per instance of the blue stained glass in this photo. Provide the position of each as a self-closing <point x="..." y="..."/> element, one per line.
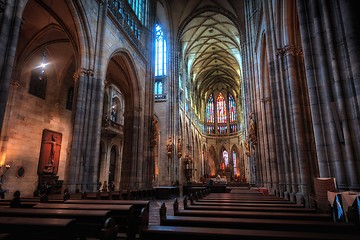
<point x="210" y="110"/>
<point x="232" y="109"/>
<point x="234" y="162"/>
<point x="160" y="52"/>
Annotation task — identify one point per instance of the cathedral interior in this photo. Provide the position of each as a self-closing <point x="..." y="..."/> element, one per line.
<point x="149" y="93"/>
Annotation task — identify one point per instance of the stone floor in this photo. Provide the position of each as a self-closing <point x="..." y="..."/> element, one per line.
<point x="154" y="214"/>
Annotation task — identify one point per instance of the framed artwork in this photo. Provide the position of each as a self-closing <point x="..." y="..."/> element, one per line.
<point x="49" y="152"/>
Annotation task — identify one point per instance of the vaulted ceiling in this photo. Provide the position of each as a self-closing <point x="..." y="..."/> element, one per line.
<point x="211" y="51"/>
<point x="210" y="36"/>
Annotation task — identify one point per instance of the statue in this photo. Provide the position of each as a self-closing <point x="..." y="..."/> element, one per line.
<point x="169" y="147"/>
<point x="252" y="129"/>
<point x="179" y="147"/>
<point x="247" y="147"/>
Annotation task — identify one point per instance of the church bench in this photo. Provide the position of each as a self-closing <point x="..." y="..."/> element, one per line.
<point x="38" y="199"/>
<point x="240" y="197"/>
<point x="26" y="204"/>
<point x="246" y="208"/>
<point x="205" y="233"/>
<point x="257" y="224"/>
<point x="248" y="204"/>
<point x="37" y="228"/>
<point x="245" y="201"/>
<point x="89" y="223"/>
<point x="137" y="204"/>
<point x="122" y="214"/>
<point x="251" y="214"/>
<point x="141" y="216"/>
<point x="4" y="236"/>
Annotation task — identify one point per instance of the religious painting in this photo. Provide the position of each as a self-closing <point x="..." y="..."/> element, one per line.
<point x="49" y="153"/>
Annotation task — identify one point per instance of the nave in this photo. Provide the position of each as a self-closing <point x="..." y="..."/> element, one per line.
<point x="239" y="213"/>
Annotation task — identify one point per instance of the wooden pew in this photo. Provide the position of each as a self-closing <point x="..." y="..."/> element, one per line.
<point x="246" y="208"/>
<point x="245" y="201"/>
<point x="230" y="196"/>
<point x="141" y="208"/>
<point x="257" y="224"/>
<point x="4" y="236"/>
<point x="89" y="223"/>
<point x="204" y="233"/>
<point x="122" y="214"/>
<point x="251" y="214"/>
<point x="26" y="204"/>
<point x="247" y="204"/>
<point x="37" y="228"/>
<point x="137" y="204"/>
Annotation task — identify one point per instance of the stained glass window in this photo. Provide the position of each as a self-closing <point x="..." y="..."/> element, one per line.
<point x="234" y="161"/>
<point x="222" y="129"/>
<point x="140" y="9"/>
<point x="160" y="52"/>
<point x="226" y="157"/>
<point x="221" y="109"/>
<point x="210" y="110"/>
<point x="221" y="114"/>
<point x="158" y="88"/>
<point x="232" y="108"/>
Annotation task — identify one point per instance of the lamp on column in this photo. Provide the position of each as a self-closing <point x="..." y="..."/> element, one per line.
<point x="43" y="61"/>
<point x="42" y="66"/>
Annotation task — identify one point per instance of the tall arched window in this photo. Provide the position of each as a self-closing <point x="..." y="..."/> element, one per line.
<point x="226" y="158"/>
<point x="232" y="113"/>
<point x="221" y="109"/>
<point x="232" y="108"/>
<point x="140" y="9"/>
<point x="38" y="82"/>
<point x="220" y="114"/>
<point x="210" y="110"/>
<point x="160" y="52"/>
<point x="210" y="115"/>
<point x="158" y="88"/>
<point x="234" y="161"/>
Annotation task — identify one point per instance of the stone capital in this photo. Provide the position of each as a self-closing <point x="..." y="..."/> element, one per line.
<point x="293" y="50"/>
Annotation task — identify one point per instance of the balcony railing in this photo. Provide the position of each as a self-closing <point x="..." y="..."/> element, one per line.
<point x="129" y="22"/>
<point x="112" y="128"/>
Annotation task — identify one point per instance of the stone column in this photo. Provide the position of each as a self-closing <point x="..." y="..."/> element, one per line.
<point x="86" y="134"/>
<point x="11" y="19"/>
<point x="135" y="168"/>
<point x="332" y="86"/>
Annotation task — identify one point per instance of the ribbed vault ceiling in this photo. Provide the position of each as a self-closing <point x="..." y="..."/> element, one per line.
<point x="211" y="51"/>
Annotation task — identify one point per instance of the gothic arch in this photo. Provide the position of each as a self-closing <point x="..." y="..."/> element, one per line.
<point x="212" y="161"/>
<point x="121" y="73"/>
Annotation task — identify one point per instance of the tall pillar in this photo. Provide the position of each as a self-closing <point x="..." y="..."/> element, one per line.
<point x="82" y="172"/>
<point x="332" y="87"/>
<point x="11" y="19"/>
